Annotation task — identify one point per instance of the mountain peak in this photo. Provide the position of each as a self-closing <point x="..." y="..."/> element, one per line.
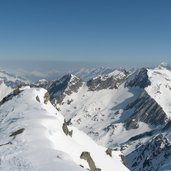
<point x="163" y="65"/>
<point x="68" y="78"/>
<point x="65" y="86"/>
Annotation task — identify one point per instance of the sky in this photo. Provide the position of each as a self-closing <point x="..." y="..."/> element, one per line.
<point x="111" y="32"/>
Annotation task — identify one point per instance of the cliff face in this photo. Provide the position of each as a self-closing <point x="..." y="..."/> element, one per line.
<point x="67" y="85"/>
<point x="138" y="79"/>
<point x="146" y="110"/>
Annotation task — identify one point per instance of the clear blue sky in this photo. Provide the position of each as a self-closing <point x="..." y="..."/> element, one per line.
<point x="115" y="31"/>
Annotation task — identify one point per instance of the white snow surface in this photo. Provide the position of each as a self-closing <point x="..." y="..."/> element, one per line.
<point x="160" y="88"/>
<point x="4" y="89"/>
<point x="95" y="111"/>
<point x="43" y="146"/>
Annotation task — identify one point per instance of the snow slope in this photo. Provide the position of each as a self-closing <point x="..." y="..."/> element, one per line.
<point x="160" y="88"/>
<point x="40" y="144"/>
<point x="101" y="113"/>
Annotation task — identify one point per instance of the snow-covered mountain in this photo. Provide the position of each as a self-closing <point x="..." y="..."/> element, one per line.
<point x="63" y="87"/>
<point x="123" y="110"/>
<point x="35" y="137"/>
<point x="7" y="77"/>
<point x="9" y="82"/>
<point x="126" y="113"/>
<point x="89" y="73"/>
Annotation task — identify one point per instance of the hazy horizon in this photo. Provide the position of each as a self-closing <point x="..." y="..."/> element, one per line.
<point x="39" y="69"/>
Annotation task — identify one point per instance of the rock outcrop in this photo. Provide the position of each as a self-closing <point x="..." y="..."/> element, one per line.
<point x="66" y="130"/>
<point x="151" y="155"/>
<point x="15" y="92"/>
<point x="20" y="131"/>
<point x="109" y="152"/>
<point x="46" y="97"/>
<point x="138" y="79"/>
<point x="109" y="81"/>
<point x="65" y="86"/>
<point x="86" y="156"/>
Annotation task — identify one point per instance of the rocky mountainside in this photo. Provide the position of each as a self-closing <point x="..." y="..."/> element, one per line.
<point x="151" y="155"/>
<point x="36" y="137"/>
<point x="123" y="110"/>
<point x="107" y="81"/>
<point x="63" y="87"/>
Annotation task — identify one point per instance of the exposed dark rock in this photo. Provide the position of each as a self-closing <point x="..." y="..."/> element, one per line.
<point x="10" y="96"/>
<point x="37" y="98"/>
<point x="167" y="126"/>
<point x="112" y="126"/>
<point x="16" y="91"/>
<point x="138" y="79"/>
<point x="6" y="144"/>
<point x="98" y="84"/>
<point x="146" y="110"/>
<point x="16" y="84"/>
<point x="123" y="159"/>
<point x="66" y="130"/>
<point x="145" y="134"/>
<point x="46" y="97"/>
<point x="70" y="133"/>
<point x="20" y="131"/>
<point x="81" y="166"/>
<point x="145" y="156"/>
<point x="132" y="124"/>
<point x="65" y="86"/>
<point x="68" y="122"/>
<point x="69" y="101"/>
<point x="106" y="81"/>
<point x="109" y="152"/>
<point x="86" y="156"/>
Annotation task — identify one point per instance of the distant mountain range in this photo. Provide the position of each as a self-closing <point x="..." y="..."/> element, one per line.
<point x="126" y="111"/>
